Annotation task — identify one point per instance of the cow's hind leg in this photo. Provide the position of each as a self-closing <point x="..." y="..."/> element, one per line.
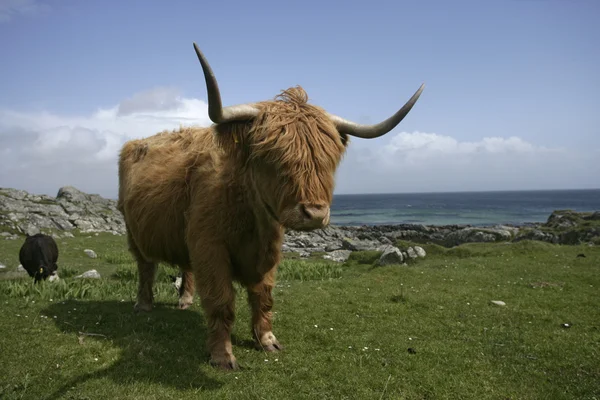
<point x="146" y="275"/>
<point x="212" y="276"/>
<point x="186" y="290"/>
<point x="261" y="302"/>
<point x="145" y="296"/>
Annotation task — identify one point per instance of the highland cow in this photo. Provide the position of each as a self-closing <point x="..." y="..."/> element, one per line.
<point x="38" y="255"/>
<point x="216" y="200"/>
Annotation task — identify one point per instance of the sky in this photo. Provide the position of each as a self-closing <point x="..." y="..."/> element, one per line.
<point x="511" y="97"/>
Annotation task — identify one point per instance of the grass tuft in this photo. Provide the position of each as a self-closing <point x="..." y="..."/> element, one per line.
<point x="298" y="270"/>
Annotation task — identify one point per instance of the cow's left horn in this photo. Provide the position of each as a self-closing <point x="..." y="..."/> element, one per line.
<point x="216" y="112"/>
<point x="380" y="129"/>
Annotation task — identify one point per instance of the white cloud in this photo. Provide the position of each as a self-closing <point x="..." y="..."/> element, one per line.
<point x="432" y="162"/>
<point x="11" y="8"/>
<point x="43" y="151"/>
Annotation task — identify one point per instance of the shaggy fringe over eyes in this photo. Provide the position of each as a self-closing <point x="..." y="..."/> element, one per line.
<point x="298" y="138"/>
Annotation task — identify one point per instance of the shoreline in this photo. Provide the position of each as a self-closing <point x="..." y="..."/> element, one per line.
<point x="74" y="211"/>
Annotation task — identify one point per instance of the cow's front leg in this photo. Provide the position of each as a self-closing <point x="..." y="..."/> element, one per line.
<point x="212" y="275"/>
<point x="261" y="303"/>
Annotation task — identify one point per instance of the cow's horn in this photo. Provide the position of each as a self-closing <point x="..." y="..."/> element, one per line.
<point x="380" y="129"/>
<point x="216" y="112"/>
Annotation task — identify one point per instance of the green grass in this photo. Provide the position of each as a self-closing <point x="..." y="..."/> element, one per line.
<point x="351" y="331"/>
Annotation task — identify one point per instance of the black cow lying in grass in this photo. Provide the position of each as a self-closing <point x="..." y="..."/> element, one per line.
<point x="38" y="256"/>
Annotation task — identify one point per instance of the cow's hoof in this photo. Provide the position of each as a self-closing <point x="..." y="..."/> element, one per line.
<point x="227" y="363"/>
<point x="142" y="307"/>
<point x="269" y="343"/>
<point x="185" y="302"/>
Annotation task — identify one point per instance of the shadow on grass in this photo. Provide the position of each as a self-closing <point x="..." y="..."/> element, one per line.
<point x="165" y="346"/>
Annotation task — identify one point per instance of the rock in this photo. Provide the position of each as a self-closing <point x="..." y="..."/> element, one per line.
<point x="71" y="194"/>
<point x="90" y="253"/>
<point x="471" y="235"/>
<point x="537" y="234"/>
<point x="411" y="253"/>
<point x="359" y="245"/>
<point x="53" y="278"/>
<point x="391" y="255"/>
<point x="30" y="229"/>
<point x="25" y="213"/>
<point x="2" y="266"/>
<point x="498" y="302"/>
<point x="561" y="219"/>
<point x="420" y="251"/>
<point x="21" y="269"/>
<point x="338" y="255"/>
<point x="91" y="274"/>
<point x="385" y="240"/>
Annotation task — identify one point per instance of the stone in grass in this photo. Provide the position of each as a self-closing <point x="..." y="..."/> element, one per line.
<point x="391" y="255"/>
<point x="498" y="302"/>
<point x="90" y="253"/>
<point x="420" y="251"/>
<point x="411" y="252"/>
<point x="337" y="255"/>
<point x="92" y="273"/>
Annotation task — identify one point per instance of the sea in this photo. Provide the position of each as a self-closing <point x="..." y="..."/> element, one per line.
<point x="473" y="208"/>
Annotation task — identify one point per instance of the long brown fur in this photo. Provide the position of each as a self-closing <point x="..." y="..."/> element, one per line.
<point x="208" y="200"/>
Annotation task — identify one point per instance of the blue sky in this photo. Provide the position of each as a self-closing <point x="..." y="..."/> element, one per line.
<point x="511" y="99"/>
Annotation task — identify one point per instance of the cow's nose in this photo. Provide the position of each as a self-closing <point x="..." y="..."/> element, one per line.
<point x="315" y="212"/>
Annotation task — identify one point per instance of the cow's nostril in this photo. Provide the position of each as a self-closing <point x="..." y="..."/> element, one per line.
<point x="306" y="211"/>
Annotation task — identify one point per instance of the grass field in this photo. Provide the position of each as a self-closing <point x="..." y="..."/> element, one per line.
<point x="351" y="331"/>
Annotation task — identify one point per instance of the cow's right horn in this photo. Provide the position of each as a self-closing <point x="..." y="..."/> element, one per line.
<point x="216" y="112"/>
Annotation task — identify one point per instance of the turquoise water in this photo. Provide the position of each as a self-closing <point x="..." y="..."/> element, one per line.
<point x="475" y="208"/>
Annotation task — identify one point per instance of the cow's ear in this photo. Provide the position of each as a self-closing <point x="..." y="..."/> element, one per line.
<point x="232" y="137"/>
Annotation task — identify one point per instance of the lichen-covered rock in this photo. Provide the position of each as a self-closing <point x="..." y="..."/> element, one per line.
<point x="390" y="255"/>
<point x="24" y="213"/>
<point x="537" y="234"/>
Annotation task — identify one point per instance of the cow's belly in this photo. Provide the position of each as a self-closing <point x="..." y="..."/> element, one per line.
<point x="158" y="243"/>
<point x="158" y="228"/>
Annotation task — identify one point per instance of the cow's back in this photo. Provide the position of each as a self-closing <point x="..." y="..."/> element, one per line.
<point x="154" y="189"/>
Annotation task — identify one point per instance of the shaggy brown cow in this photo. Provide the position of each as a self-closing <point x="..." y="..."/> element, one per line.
<point x="215" y="201"/>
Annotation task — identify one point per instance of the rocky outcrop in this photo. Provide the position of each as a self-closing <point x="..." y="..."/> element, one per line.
<point x="23" y="213"/>
<point x="566" y="227"/>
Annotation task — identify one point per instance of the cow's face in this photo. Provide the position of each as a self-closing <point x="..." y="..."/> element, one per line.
<point x="292" y="151"/>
